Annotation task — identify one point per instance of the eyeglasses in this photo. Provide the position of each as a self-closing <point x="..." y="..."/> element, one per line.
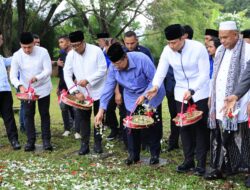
<point x="76" y="45"/>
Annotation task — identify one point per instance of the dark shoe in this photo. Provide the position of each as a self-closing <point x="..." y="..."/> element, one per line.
<point x="84" y="149"/>
<point x="199" y="171"/>
<point x="213" y="175"/>
<point x="15" y="145"/>
<point x="98" y="147"/>
<point x="172" y="147"/>
<point x="113" y="134"/>
<point x="154" y="160"/>
<point x="47" y="146"/>
<point x="130" y="160"/>
<point x="185" y="167"/>
<point x="29" y="147"/>
<point x="247" y="182"/>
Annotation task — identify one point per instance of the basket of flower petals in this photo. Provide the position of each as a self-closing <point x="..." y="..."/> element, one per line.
<point x="138" y="121"/>
<point x="71" y="100"/>
<point x="28" y="95"/>
<point x="191" y="116"/>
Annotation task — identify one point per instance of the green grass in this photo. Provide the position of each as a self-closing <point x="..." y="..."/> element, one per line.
<point x="64" y="169"/>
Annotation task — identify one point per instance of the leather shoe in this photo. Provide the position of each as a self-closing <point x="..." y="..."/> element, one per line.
<point x="130" y="160"/>
<point x="247" y="182"/>
<point x="213" y="175"/>
<point x="154" y="160"/>
<point x="29" y="147"/>
<point x="84" y="149"/>
<point x="47" y="146"/>
<point x="185" y="167"/>
<point x="15" y="145"/>
<point x="199" y="171"/>
<point x="98" y="147"/>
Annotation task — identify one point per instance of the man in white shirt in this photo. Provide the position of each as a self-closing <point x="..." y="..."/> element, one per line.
<point x="230" y="134"/>
<point x="189" y="60"/>
<point x="87" y="63"/>
<point x="34" y="65"/>
<point x="6" y="101"/>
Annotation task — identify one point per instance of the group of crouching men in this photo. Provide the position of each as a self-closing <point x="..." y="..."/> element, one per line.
<point x="126" y="76"/>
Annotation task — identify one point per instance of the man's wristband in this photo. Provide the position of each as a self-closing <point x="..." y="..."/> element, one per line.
<point x="76" y="92"/>
<point x="191" y="91"/>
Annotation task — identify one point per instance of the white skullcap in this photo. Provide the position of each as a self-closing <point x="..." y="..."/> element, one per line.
<point x="228" y="25"/>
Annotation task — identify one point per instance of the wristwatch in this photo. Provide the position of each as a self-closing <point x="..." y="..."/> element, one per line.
<point x="191" y="91"/>
<point x="76" y="92"/>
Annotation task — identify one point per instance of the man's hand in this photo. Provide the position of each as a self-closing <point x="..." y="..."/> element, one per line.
<point x="118" y="98"/>
<point x="99" y="117"/>
<point x="187" y="95"/>
<point x="140" y="100"/>
<point x="229" y="104"/>
<point x="152" y="92"/>
<point x="80" y="96"/>
<point x="22" y="89"/>
<point x="83" y="83"/>
<point x="60" y="63"/>
<point x="32" y="80"/>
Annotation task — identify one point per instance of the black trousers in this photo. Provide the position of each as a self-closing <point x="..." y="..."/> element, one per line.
<point x="155" y="135"/>
<point x="195" y="138"/>
<point x="82" y="121"/>
<point x="111" y="119"/>
<point x="29" y="121"/>
<point x="6" y="111"/>
<point x="67" y="116"/>
<point x="174" y="130"/>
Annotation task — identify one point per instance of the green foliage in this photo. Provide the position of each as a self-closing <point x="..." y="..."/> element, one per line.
<point x="240" y="18"/>
<point x="199" y="14"/>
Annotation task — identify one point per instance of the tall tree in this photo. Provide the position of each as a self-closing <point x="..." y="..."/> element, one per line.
<point x="6" y="24"/>
<point x="110" y="15"/>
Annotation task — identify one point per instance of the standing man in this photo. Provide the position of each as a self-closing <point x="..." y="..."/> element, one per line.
<point x="131" y="44"/>
<point x="189" y="60"/>
<point x="134" y="71"/>
<point x="229" y="137"/>
<point x="67" y="111"/>
<point x="6" y="103"/>
<point x="87" y="63"/>
<point x="212" y="46"/>
<point x="104" y="41"/>
<point x="34" y="65"/>
<point x="209" y="33"/>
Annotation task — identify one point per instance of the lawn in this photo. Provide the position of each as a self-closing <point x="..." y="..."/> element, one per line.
<point x="64" y="169"/>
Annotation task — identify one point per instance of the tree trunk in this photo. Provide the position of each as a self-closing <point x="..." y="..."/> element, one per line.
<point x="6" y="25"/>
<point x="21" y="11"/>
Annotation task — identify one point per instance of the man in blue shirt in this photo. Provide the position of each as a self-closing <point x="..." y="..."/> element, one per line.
<point x="133" y="71"/>
<point x="6" y="103"/>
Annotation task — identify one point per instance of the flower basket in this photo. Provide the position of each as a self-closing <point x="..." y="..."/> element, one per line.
<point x="138" y="121"/>
<point x="28" y="95"/>
<point x="74" y="102"/>
<point x="188" y="118"/>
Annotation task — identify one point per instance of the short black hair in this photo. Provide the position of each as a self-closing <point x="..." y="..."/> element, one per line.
<point x="189" y="30"/>
<point x="65" y="36"/>
<point x="1" y="32"/>
<point x="216" y="41"/>
<point x="130" y="34"/>
<point x="36" y="36"/>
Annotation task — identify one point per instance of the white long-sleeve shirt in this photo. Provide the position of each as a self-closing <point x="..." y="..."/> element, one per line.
<point x="91" y="65"/>
<point x="191" y="70"/>
<point x="37" y="64"/>
<point x="221" y="82"/>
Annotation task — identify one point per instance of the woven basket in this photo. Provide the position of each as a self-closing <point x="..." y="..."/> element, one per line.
<point x="188" y="118"/>
<point x="72" y="101"/>
<point x="138" y="121"/>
